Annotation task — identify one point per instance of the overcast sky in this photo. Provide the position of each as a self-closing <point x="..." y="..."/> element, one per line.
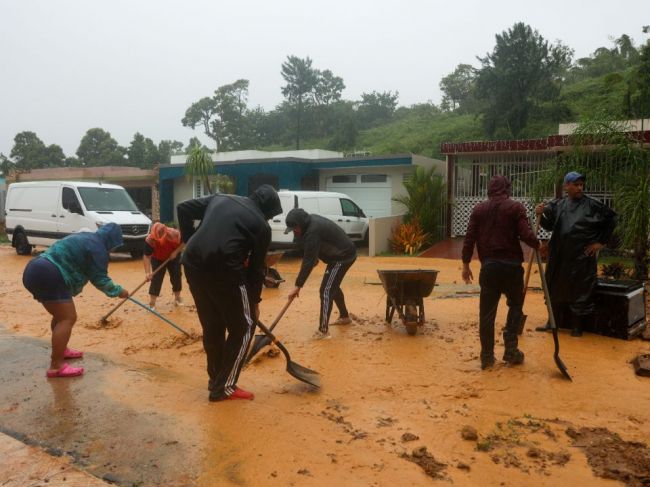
<point x="136" y="65"/>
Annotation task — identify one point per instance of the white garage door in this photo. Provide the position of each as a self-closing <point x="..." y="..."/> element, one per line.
<point x="372" y="192"/>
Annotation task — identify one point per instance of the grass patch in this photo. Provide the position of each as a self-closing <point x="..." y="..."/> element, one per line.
<point x="3" y="235"/>
<point x="610" y="259"/>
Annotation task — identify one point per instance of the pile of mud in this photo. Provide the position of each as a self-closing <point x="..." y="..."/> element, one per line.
<point x="427" y="462"/>
<point x="611" y="457"/>
<point x="167" y="343"/>
<point x="518" y="444"/>
<point x="112" y="322"/>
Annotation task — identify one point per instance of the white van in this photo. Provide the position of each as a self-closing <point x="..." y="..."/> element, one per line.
<point x="42" y="212"/>
<point x="338" y="207"/>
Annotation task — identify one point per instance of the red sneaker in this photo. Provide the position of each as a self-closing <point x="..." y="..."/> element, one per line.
<point x="241" y="394"/>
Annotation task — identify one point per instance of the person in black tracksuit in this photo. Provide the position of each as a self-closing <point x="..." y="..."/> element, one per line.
<point x="324" y="239"/>
<point x="224" y="267"/>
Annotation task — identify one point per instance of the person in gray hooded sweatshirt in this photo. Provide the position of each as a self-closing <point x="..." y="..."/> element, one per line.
<point x="323" y="239"/>
<point x="224" y="267"/>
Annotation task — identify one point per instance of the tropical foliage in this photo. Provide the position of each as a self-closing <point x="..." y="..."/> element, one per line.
<point x="408" y="238"/>
<point x="199" y="165"/>
<point x="425" y="201"/>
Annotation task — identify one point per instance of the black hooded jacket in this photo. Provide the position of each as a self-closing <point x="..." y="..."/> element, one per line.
<point x="321" y="238"/>
<point x="233" y="235"/>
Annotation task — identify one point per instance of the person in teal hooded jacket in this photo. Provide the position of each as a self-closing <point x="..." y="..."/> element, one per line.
<point x="60" y="273"/>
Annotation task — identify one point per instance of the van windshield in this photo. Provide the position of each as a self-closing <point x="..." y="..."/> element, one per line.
<point x="107" y="199"/>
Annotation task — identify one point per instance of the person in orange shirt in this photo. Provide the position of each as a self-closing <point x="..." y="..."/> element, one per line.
<point x="159" y="245"/>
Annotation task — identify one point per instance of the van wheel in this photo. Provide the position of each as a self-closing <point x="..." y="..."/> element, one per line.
<point x="136" y="254"/>
<point x="22" y="244"/>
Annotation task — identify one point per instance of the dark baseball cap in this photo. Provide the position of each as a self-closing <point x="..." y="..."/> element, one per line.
<point x="572" y="177"/>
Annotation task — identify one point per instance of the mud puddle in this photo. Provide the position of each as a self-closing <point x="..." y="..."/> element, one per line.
<point x="78" y="418"/>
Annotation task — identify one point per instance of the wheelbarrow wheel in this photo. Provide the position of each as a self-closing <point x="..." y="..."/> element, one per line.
<point x="411" y="329"/>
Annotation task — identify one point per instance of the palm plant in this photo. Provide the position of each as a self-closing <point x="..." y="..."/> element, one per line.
<point x="425" y="201"/>
<point x="199" y="165"/>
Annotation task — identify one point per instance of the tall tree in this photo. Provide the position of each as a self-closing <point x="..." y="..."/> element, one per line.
<point x="457" y="88"/>
<point x="523" y="71"/>
<point x="168" y="148"/>
<point x="29" y="152"/>
<point x="301" y="79"/>
<point x="643" y="79"/>
<point x="193" y="143"/>
<point x="98" y="148"/>
<point x="151" y="154"/>
<point x="201" y="113"/>
<point x="377" y="108"/>
<point x="222" y="116"/>
<point x="328" y="88"/>
<point x="230" y="126"/>
<point x="137" y="151"/>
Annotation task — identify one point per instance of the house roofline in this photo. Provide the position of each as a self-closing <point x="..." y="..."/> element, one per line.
<point x="552" y="143"/>
<point x="308" y="161"/>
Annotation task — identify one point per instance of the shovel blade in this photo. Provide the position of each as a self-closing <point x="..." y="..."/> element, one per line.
<point x="259" y="342"/>
<point x="304" y="374"/>
<point x="562" y="367"/>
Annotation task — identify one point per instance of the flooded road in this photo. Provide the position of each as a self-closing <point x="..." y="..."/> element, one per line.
<point x="80" y="418"/>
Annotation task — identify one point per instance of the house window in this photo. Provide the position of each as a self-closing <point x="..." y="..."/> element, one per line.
<point x="374" y="178"/>
<point x="345" y="178"/>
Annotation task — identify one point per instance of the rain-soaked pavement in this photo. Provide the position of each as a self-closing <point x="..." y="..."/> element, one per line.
<point x="127" y="442"/>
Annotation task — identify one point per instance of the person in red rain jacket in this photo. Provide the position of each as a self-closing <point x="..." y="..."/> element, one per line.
<point x="159" y="245"/>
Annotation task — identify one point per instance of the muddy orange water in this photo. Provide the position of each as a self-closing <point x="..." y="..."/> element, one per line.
<point x="390" y="411"/>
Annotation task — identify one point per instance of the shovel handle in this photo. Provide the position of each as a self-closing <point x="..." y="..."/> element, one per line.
<point x="530" y="261"/>
<point x="158" y="315"/>
<point x="281" y="313"/>
<point x="160" y="267"/>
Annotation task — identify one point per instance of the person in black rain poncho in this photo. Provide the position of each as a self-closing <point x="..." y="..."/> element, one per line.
<point x="224" y="267"/>
<point x="581" y="226"/>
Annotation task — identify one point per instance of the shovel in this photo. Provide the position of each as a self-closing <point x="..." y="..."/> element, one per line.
<point x="158" y="315"/>
<point x="261" y="341"/>
<point x="161" y="266"/>
<point x="304" y="374"/>
<point x="526" y="281"/>
<point x="551" y="319"/>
